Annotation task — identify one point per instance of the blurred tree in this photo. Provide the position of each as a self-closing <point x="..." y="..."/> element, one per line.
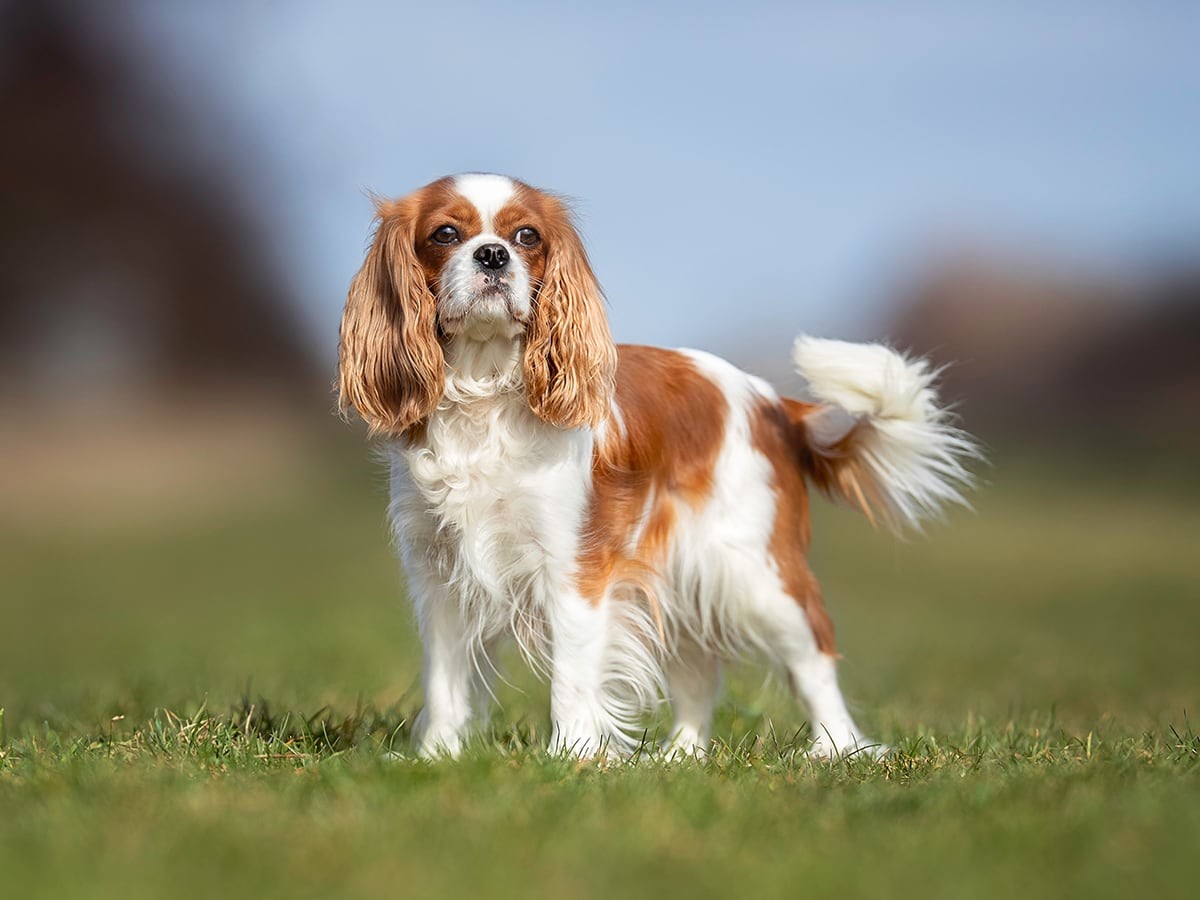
<point x="1035" y="353"/>
<point x="126" y="263"/>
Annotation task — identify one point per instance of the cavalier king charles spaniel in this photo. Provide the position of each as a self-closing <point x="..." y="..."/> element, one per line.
<point x="633" y="517"/>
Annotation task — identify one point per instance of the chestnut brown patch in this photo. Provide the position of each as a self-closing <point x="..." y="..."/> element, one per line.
<point x="660" y="453"/>
<point x="777" y="432"/>
<point x="440" y="204"/>
<point x="527" y="208"/>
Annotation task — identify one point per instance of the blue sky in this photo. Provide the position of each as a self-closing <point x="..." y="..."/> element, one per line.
<point x="739" y="167"/>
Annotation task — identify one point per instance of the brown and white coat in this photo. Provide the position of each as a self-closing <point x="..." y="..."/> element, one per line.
<point x="631" y="516"/>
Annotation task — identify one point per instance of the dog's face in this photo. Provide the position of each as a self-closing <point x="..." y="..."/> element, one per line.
<point x="479" y="240"/>
<point x="474" y="258"/>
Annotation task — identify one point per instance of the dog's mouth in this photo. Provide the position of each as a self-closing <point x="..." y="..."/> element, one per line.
<point x="477" y="301"/>
<point x="484" y="286"/>
<point x="490" y="306"/>
<point x="492" y="303"/>
<point x="493" y="288"/>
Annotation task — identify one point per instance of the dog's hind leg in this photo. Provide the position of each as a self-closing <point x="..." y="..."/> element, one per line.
<point x="798" y="638"/>
<point x="693" y="678"/>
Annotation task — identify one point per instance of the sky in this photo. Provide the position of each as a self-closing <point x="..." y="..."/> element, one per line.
<point x="737" y="167"/>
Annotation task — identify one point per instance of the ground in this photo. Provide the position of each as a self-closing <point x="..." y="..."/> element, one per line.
<point x="202" y="705"/>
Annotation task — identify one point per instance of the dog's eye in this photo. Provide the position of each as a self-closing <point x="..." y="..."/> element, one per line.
<point x="447" y="234"/>
<point x="527" y="237"/>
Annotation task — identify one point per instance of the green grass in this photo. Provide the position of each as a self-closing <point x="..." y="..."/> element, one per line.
<point x="203" y="707"/>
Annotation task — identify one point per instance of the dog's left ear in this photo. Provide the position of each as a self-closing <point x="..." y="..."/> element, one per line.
<point x="570" y="360"/>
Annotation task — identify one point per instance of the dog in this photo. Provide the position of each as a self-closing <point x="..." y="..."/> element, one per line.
<point x="633" y="517"/>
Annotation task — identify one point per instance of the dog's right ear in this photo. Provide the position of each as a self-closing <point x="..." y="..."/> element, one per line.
<point x="390" y="364"/>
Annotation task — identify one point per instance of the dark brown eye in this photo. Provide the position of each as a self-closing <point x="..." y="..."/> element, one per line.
<point x="447" y="234"/>
<point x="527" y="237"/>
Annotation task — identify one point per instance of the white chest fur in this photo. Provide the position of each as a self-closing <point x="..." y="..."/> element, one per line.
<point x="487" y="504"/>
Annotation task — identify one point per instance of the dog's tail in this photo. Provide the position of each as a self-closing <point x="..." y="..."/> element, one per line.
<point x="875" y="434"/>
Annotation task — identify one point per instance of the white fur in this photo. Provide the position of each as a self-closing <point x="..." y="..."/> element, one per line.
<point x="487" y="192"/>
<point x="488" y="500"/>
<point x="914" y="457"/>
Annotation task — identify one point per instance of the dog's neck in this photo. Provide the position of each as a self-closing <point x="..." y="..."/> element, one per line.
<point x="482" y="367"/>
<point x="483" y="421"/>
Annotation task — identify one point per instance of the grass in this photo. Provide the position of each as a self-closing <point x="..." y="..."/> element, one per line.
<point x="204" y="706"/>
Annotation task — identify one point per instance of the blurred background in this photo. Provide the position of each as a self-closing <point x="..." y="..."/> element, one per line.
<point x="1010" y="188"/>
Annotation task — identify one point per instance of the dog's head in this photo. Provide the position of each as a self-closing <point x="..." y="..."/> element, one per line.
<point x="474" y="258"/>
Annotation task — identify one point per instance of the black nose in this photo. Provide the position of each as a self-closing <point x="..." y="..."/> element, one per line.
<point x="492" y="256"/>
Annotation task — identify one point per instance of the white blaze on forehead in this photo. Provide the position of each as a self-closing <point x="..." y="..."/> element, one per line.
<point x="488" y="193"/>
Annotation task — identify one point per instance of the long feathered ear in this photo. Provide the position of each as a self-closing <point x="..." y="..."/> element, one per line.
<point x="390" y="364"/>
<point x="570" y="360"/>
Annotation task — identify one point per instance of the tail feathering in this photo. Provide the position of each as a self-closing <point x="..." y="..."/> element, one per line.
<point x="878" y="438"/>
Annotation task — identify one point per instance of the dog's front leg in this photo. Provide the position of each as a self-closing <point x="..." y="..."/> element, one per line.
<point x="448" y="676"/>
<point x="583" y="723"/>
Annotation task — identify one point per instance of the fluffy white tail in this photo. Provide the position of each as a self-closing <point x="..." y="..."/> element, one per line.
<point x="877" y="437"/>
